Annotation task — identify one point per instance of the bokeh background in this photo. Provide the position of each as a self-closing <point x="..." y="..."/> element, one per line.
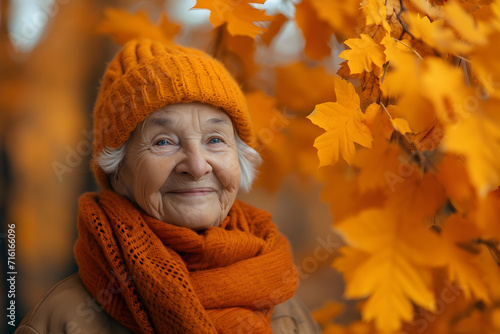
<point x="51" y="60"/>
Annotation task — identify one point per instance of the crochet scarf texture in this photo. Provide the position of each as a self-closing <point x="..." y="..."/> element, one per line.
<point x="155" y="277"/>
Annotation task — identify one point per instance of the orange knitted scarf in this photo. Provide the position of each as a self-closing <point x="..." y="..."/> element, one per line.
<point x="154" y="277"/>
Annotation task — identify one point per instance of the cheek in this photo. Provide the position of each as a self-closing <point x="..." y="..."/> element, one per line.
<point x="151" y="174"/>
<point x="228" y="172"/>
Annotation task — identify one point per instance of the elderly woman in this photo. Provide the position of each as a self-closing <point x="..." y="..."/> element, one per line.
<point x="166" y="247"/>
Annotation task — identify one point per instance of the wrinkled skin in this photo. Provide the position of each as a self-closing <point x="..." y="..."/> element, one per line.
<point x="181" y="166"/>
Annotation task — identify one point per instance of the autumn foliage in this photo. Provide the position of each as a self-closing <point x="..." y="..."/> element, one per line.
<point x="407" y="134"/>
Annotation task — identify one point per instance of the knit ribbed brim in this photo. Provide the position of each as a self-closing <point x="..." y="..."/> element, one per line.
<point x="146" y="76"/>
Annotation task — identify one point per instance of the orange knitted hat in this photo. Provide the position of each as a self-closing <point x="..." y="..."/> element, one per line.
<point x="146" y="76"/>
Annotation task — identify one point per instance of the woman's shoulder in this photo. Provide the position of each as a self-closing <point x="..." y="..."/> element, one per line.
<point x="68" y="308"/>
<point x="293" y="317"/>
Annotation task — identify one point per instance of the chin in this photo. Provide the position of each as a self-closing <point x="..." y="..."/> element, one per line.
<point x="196" y="222"/>
<point x="193" y="216"/>
<point x="197" y="226"/>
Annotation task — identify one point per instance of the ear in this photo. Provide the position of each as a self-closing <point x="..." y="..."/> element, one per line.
<point x="118" y="185"/>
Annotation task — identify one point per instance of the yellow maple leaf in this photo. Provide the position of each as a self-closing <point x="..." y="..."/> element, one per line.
<point x="349" y="260"/>
<point x="487" y="215"/>
<point x="488" y="258"/>
<point x="495" y="8"/>
<point x="495" y="318"/>
<point x="394" y="47"/>
<point x="393" y="16"/>
<point x="435" y="34"/>
<point x="428" y="138"/>
<point x="417" y="111"/>
<point x="485" y="320"/>
<point x="415" y="195"/>
<point x="239" y="16"/>
<point x="343" y="122"/>
<point x="327" y="312"/>
<point x="237" y="54"/>
<point x="343" y="194"/>
<point x="364" y="53"/>
<point x="450" y="302"/>
<point x="341" y="15"/>
<point x="366" y="82"/>
<point x="453" y="176"/>
<point x="464" y="24"/>
<point x="378" y="121"/>
<point x="274" y="28"/>
<point x="477" y="137"/>
<point x="444" y="85"/>
<point x="377" y="164"/>
<point x="124" y="26"/>
<point x="412" y="104"/>
<point x="269" y="123"/>
<point x="376" y="13"/>
<point x="400" y="125"/>
<point x="464" y="263"/>
<point x="300" y="87"/>
<point x="284" y="142"/>
<point x="485" y="63"/>
<point x="301" y="135"/>
<point x="395" y="271"/>
<point x="403" y="65"/>
<point x="317" y="33"/>
<point x="432" y="10"/>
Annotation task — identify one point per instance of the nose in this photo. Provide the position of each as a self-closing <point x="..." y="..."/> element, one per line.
<point x="194" y="163"/>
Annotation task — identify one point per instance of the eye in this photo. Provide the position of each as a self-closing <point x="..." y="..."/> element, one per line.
<point x="162" y="142"/>
<point x="215" y="140"/>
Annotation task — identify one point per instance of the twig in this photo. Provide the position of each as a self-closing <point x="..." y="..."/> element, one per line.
<point x="492" y="247"/>
<point x="463" y="58"/>
<point x="386" y="66"/>
<point x="415" y="52"/>
<point x="387" y="111"/>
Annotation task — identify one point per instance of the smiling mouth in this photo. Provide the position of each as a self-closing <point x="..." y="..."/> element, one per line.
<point x="192" y="192"/>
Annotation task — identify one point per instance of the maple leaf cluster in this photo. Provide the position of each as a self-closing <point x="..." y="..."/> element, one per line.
<point x="412" y="143"/>
<point x="407" y="135"/>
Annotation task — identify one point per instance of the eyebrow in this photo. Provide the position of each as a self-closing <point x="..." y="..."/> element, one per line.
<point x="160" y="122"/>
<point x="219" y="121"/>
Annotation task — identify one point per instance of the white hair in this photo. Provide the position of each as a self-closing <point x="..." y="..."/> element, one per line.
<point x="110" y="159"/>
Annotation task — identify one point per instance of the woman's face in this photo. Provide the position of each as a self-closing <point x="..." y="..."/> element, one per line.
<point x="181" y="165"/>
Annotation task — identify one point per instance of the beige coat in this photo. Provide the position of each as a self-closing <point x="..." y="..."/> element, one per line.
<point x="69" y="308"/>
